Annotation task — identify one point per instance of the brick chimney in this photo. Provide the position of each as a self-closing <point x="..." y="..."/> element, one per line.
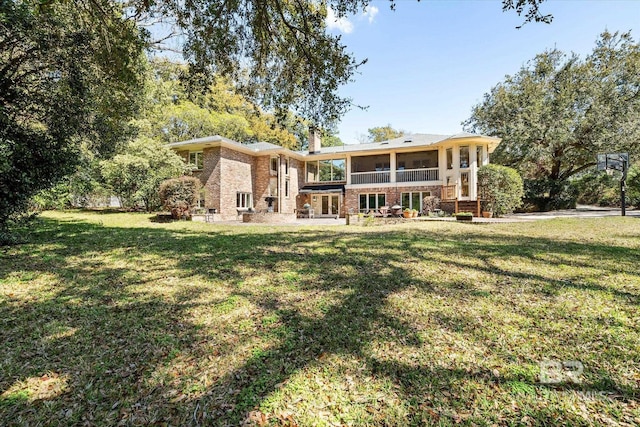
<point x="314" y="140"/>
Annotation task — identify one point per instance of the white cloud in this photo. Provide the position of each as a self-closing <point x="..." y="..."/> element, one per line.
<point x="371" y="12"/>
<point x="341" y="24"/>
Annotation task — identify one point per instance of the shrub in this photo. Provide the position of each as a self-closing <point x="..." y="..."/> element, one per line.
<point x="180" y="195"/>
<point x="633" y="186"/>
<point x="430" y="204"/>
<point x="548" y="194"/>
<point x="501" y="187"/>
<point x="598" y="188"/>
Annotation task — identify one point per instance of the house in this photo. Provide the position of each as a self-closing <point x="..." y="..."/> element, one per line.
<point x="337" y="180"/>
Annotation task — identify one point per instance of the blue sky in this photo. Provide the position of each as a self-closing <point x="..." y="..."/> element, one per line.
<point x="431" y="61"/>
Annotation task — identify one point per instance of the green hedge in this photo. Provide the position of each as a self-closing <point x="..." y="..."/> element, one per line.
<point x="180" y="195"/>
<point x="500" y="188"/>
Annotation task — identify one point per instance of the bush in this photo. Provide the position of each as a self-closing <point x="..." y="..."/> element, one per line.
<point x="548" y="195"/>
<point x="501" y="187"/>
<point x="180" y="195"/>
<point x="633" y="186"/>
<point x="597" y="188"/>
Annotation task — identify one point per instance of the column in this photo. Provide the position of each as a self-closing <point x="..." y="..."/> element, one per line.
<point x="392" y="167"/>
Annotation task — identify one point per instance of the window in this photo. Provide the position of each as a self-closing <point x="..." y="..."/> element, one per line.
<point x="479" y="152"/>
<point x="326" y="170"/>
<point x="372" y="201"/>
<point x="419" y="160"/>
<point x="286" y="166"/>
<point x="201" y="198"/>
<point x="196" y="159"/>
<point x="413" y="200"/>
<point x="449" y="158"/>
<point x="273" y="187"/>
<point x="464" y="157"/>
<point x="312" y="171"/>
<point x="464" y="184"/>
<point x="244" y="200"/>
<point x="377" y="163"/>
<point x="273" y="166"/>
<point x="286" y="188"/>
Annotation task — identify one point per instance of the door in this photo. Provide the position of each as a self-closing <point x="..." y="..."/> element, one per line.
<point x="464" y="186"/>
<point x="335" y="205"/>
<point x="330" y="205"/>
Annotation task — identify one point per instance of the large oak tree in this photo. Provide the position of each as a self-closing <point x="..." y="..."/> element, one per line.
<point x="67" y="75"/>
<point x="559" y="111"/>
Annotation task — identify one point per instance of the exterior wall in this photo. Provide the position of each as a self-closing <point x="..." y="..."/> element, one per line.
<point x="227" y="171"/>
<point x="209" y="176"/>
<point x="301" y="199"/>
<point x="289" y="204"/>
<point x="261" y="177"/>
<point x="235" y="170"/>
<point x="393" y="195"/>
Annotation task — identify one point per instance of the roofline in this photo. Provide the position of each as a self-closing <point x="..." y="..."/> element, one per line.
<point x="352" y="149"/>
<point x="219" y="141"/>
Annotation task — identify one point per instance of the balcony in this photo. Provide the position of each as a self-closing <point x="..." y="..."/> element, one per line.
<point x="379" y="177"/>
<point x="416" y="175"/>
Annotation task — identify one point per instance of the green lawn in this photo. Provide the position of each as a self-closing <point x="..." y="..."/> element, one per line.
<point x="112" y="318"/>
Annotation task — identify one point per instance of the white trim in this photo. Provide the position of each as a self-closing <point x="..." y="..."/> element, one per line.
<point x="394" y="185"/>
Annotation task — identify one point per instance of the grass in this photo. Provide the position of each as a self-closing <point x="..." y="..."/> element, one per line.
<point x="109" y="319"/>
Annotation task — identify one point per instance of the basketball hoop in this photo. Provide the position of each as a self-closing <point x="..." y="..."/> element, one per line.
<point x="618" y="162"/>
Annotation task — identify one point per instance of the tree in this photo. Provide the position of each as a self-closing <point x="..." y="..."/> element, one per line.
<point x="559" y="111"/>
<point x="62" y="83"/>
<point x="280" y="52"/>
<point x="125" y="174"/>
<point x="171" y="113"/>
<point x="135" y="176"/>
<point x="180" y="195"/>
<point x="501" y="188"/>
<point x="384" y="133"/>
<point x="633" y="183"/>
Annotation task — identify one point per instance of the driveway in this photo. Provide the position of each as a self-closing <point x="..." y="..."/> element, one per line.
<point x="582" y="211"/>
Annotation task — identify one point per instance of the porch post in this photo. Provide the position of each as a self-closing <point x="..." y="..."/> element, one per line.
<point x="473" y="161"/>
<point x="392" y="166"/>
<point x="348" y="171"/>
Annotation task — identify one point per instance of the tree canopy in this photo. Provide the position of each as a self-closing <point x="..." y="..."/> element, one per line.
<point x="559" y="111"/>
<point x="62" y="83"/>
<point x="279" y="52"/>
<point x="384" y="133"/>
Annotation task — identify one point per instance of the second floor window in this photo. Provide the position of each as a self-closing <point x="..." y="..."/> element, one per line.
<point x="196" y="160"/>
<point x="326" y="170"/>
<point x="464" y="157"/>
<point x="274" y="166"/>
<point x="449" y="158"/>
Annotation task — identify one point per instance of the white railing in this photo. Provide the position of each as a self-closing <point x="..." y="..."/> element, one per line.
<point x="380" y="177"/>
<point x="413" y="175"/>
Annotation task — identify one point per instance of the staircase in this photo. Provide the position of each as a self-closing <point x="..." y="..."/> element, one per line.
<point x="469" y="206"/>
<point x="455" y="206"/>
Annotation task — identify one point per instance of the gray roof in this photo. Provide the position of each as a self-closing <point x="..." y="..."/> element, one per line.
<point x="258" y="146"/>
<point x="406" y="141"/>
<point x="263" y="146"/>
<point x="413" y="140"/>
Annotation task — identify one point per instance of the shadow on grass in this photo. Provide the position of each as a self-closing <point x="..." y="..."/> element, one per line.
<point x="107" y="331"/>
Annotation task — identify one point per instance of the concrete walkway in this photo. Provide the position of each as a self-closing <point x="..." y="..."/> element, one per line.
<point x="580" y="212"/>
